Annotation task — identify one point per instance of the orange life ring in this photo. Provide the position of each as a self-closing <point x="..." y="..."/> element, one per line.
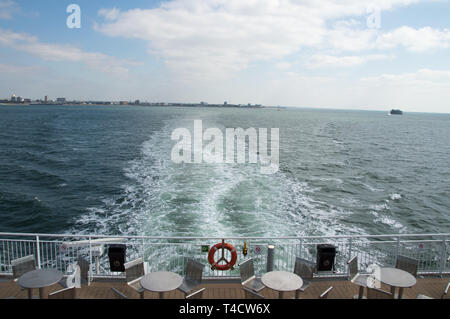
<point x="215" y="264"/>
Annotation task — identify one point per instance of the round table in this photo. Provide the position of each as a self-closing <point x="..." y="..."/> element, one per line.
<point x="39" y="279"/>
<point x="282" y="281"/>
<point x="395" y="277"/>
<point x="161" y="281"/>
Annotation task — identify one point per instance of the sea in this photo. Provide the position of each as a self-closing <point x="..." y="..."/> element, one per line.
<point x="108" y="170"/>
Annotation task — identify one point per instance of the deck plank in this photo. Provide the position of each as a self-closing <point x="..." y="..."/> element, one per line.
<point x="343" y="289"/>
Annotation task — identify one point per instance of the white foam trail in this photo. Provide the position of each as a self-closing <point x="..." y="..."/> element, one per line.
<point x="168" y="199"/>
<point x="396" y="196"/>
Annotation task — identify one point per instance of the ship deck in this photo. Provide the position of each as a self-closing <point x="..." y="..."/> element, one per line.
<point x="342" y="289"/>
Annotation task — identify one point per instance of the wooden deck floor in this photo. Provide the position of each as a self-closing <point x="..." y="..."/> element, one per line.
<point x="343" y="289"/>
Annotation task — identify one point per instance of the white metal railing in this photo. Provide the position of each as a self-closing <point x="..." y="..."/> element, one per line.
<point x="169" y="254"/>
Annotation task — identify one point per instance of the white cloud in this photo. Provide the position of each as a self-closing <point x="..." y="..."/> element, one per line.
<point x="109" y="14"/>
<point x="56" y="52"/>
<point x="283" y="65"/>
<point x="422" y="77"/>
<point x="421" y="91"/>
<point x="417" y="40"/>
<point x="345" y="38"/>
<point x="321" y="60"/>
<point x="425" y="90"/>
<point x="19" y="69"/>
<point x="7" y="9"/>
<point x="226" y="36"/>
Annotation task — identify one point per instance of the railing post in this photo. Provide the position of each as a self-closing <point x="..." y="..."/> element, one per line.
<point x="143" y="250"/>
<point x="398" y="248"/>
<point x="349" y="254"/>
<point x="38" y="253"/>
<point x="443" y="257"/>
<point x="270" y="257"/>
<point x="90" y="262"/>
<point x="350" y="248"/>
<point x="301" y="248"/>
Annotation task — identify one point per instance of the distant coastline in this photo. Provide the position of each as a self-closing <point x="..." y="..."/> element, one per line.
<point x="14" y="104"/>
<point x="123" y="103"/>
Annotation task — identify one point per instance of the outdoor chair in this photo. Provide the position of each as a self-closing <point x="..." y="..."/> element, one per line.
<point x="67" y="293"/>
<point x="73" y="279"/>
<point x="22" y="265"/>
<point x="117" y="294"/>
<point x="248" y="278"/>
<point x="134" y="271"/>
<point x="77" y="274"/>
<point x="196" y="295"/>
<point x="408" y="264"/>
<point x="375" y="293"/>
<point x="193" y="278"/>
<point x="250" y="294"/>
<point x="356" y="278"/>
<point x="444" y="294"/>
<point x="305" y="269"/>
<point x="326" y="293"/>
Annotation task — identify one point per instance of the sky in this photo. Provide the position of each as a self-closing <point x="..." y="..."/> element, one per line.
<point x="344" y="54"/>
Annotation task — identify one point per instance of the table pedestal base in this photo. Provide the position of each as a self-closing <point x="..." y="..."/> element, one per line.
<point x="42" y="294"/>
<point x="400" y="293"/>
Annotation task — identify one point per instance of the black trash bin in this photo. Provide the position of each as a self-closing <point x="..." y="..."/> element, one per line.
<point x="116" y="254"/>
<point x="325" y="257"/>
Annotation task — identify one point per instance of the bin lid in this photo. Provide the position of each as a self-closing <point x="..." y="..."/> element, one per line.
<point x="117" y="248"/>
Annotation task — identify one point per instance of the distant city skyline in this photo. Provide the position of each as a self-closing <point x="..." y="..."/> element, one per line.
<point x="348" y="54"/>
<point x="17" y="99"/>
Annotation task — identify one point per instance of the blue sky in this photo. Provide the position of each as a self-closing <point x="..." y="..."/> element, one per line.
<point x="274" y="52"/>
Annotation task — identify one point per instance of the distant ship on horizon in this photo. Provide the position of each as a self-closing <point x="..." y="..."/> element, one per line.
<point x="395" y="112"/>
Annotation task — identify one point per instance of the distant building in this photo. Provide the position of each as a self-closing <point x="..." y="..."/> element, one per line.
<point x="61" y="100"/>
<point x="137" y="102"/>
<point x="46" y="99"/>
<point x="123" y="103"/>
<point x="13" y="98"/>
<point x="225" y="103"/>
<point x="203" y="103"/>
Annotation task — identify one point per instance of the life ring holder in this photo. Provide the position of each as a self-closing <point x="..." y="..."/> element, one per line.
<point x="229" y="263"/>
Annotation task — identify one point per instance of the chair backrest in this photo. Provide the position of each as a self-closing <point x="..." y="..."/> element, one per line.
<point x="326" y="293"/>
<point x="247" y="270"/>
<point x="304" y="268"/>
<point x="196" y="295"/>
<point x="134" y="269"/>
<point x="352" y="267"/>
<point x="194" y="270"/>
<point x="84" y="269"/>
<point x="68" y="293"/>
<point x="23" y="265"/>
<point x="408" y="264"/>
<point x="74" y="277"/>
<point x="250" y="294"/>
<point x="375" y="293"/>
<point x="117" y="294"/>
